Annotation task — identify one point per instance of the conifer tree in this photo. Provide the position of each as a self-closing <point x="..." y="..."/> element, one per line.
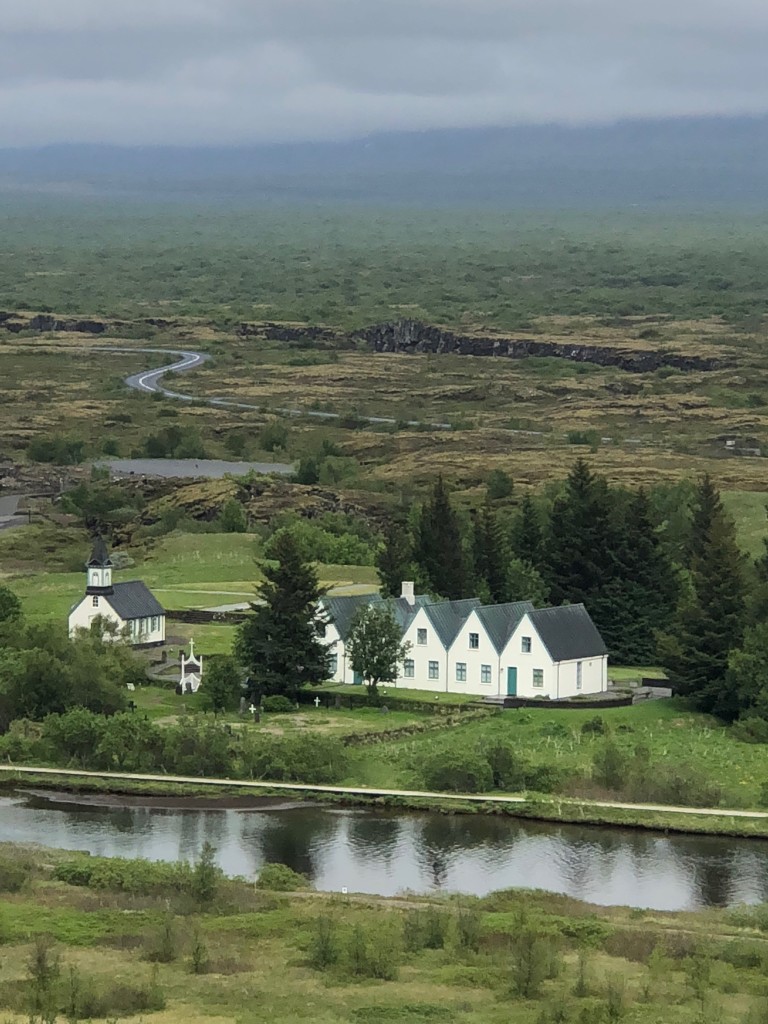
<point x="640" y="600"/>
<point x="280" y="641"/>
<point x="394" y="560"/>
<point x="438" y="546"/>
<point x="527" y="535"/>
<point x="581" y="542"/>
<point x="491" y="555"/>
<point x="711" y="622"/>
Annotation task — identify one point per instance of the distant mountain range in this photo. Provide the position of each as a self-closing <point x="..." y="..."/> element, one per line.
<point x="699" y="161"/>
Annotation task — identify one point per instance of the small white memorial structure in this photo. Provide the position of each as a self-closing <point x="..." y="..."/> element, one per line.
<point x="191" y="671"/>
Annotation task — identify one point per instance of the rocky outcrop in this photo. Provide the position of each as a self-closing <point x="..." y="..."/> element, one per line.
<point x="414" y="336"/>
<point x="47" y="322"/>
<point x="287" y="332"/>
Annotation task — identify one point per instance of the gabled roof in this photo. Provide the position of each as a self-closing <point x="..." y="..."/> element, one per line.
<point x="134" y="600"/>
<point x="501" y="620"/>
<point x="99" y="555"/>
<point x="342" y="610"/>
<point x="568" y="632"/>
<point x="449" y="616"/>
<point x="405" y="612"/>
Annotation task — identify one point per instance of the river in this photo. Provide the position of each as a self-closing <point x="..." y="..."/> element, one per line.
<point x="387" y="853"/>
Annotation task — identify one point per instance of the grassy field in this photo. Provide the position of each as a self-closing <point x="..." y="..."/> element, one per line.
<point x="137" y="943"/>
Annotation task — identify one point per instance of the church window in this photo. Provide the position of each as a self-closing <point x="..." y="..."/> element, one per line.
<point x="155" y="623"/>
<point x="95" y="601"/>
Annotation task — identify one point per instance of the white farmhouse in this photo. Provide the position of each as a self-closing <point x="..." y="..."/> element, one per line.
<point x="131" y="606"/>
<point x="506" y="650"/>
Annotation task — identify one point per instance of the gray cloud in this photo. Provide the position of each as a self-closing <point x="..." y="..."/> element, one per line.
<point x="221" y="71"/>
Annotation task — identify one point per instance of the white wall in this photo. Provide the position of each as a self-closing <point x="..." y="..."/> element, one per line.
<point x="485" y="654"/>
<point x="422" y="654"/>
<point x="560" y="679"/>
<point x="145" y="631"/>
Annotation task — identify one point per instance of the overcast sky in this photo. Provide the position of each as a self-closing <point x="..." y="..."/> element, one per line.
<point x="238" y="71"/>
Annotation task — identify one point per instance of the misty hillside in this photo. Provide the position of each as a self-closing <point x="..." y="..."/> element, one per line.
<point x="707" y="160"/>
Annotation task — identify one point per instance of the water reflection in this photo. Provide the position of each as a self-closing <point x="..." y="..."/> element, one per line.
<point x="388" y="853"/>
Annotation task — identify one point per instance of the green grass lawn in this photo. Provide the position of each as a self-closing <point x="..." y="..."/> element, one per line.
<point x="673" y="736"/>
<point x="748" y="509"/>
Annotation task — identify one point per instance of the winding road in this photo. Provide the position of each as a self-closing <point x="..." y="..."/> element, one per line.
<point x="150" y="381"/>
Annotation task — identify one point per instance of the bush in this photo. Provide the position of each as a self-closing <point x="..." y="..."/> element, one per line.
<point x="457" y="771"/>
<point x="280" y="878"/>
<point x="594" y="726"/>
<point x="14" y="873"/>
<point x="277" y="704"/>
<point x="313" y="759"/>
<point x="59" y="451"/>
<point x="751" y="729"/>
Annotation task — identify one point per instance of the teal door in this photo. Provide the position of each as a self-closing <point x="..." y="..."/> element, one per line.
<point x="511" y="682"/>
<point x="357" y="679"/>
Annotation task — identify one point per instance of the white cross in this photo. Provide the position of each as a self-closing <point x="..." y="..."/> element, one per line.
<point x="317" y="702"/>
<point x="253" y="709"/>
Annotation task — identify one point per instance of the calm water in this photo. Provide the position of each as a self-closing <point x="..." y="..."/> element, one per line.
<point x="386" y="853"/>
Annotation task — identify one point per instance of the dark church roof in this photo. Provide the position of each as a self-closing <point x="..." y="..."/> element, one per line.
<point x="134" y="600"/>
<point x="99" y="555"/>
<point x="568" y="633"/>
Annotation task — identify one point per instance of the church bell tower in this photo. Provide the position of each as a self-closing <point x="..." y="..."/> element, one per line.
<point x="99" y="569"/>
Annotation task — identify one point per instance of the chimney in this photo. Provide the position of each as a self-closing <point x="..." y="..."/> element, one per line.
<point x="406" y="591"/>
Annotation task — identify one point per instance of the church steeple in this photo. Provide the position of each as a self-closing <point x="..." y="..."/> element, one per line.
<point x="99" y="569"/>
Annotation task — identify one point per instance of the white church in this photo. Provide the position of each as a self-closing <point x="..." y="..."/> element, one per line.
<point x="131" y="606"/>
<point x="503" y="650"/>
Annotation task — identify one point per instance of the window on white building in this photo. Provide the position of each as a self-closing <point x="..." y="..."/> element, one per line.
<point x="485" y="674"/>
<point x="155" y="623"/>
<point x="421" y="637"/>
<point x="461" y="671"/>
<point x="434" y="670"/>
<point x="409" y="668"/>
<point x="474" y="641"/>
<point x="333" y="664"/>
<point x="578" y="675"/>
<point x="95" y="602"/>
<point x="538" y="677"/>
<point x="525" y="645"/>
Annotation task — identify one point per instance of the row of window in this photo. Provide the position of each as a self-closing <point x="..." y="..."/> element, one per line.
<point x="143" y="625"/>
<point x="433" y="670"/>
<point x="474" y="641"/>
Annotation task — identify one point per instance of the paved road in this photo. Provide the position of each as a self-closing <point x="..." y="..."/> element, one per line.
<point x="150" y="381"/>
<point x="8" y="506"/>
<point x="715" y="812"/>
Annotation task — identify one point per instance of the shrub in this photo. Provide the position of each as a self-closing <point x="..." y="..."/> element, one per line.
<point x="14" y="874"/>
<point x="280" y="878"/>
<point x="594" y="726"/>
<point x="274" y="436"/>
<point x="277" y="704"/>
<point x="312" y="759"/>
<point x="323" y="947"/>
<point x="751" y="729"/>
<point x="610" y="766"/>
<point x="457" y="771"/>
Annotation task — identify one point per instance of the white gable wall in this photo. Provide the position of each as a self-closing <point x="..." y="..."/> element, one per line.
<point x="92" y="607"/>
<point x="460" y="653"/>
<point x="149" y="630"/>
<point x="560" y="679"/>
<point x="422" y="654"/>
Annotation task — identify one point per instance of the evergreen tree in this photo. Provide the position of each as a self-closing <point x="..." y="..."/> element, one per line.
<point x="280" y="641"/>
<point x="527" y="535"/>
<point x="640" y="600"/>
<point x="438" y="547"/>
<point x="491" y="556"/>
<point x="581" y="543"/>
<point x="394" y="559"/>
<point x="711" y="623"/>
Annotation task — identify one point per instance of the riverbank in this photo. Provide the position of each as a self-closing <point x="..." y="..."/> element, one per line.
<point x="129" y="938"/>
<point x="534" y="807"/>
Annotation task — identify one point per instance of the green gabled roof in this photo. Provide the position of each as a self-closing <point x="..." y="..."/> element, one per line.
<point x="501" y="620"/>
<point x="403" y="611"/>
<point x="568" y="632"/>
<point x="449" y="616"/>
<point x="342" y="610"/>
